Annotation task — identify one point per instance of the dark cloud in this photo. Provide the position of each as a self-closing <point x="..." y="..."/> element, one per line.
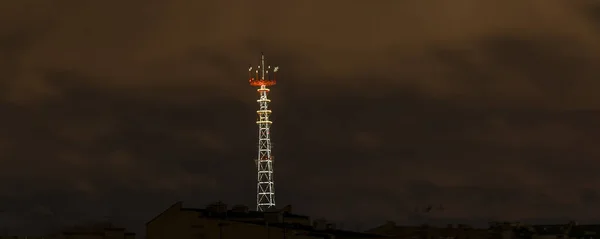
<point x="591" y="9"/>
<point x="121" y="108"/>
<point x="589" y="196"/>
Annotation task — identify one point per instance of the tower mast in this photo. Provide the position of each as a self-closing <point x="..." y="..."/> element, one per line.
<point x="265" y="188"/>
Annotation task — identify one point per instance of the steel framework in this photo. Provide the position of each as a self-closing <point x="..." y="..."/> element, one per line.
<point x="265" y="188"/>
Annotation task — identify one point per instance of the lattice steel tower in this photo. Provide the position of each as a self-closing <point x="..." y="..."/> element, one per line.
<point x="262" y="77"/>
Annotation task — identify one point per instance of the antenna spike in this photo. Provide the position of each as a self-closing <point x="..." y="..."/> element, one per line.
<point x="262" y="64"/>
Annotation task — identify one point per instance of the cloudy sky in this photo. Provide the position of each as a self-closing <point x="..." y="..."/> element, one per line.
<point x="120" y="108"/>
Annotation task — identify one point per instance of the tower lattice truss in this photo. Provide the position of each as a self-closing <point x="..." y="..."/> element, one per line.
<point x="262" y="77"/>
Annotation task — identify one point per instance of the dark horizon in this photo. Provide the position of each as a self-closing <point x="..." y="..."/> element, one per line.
<point x="120" y="108"/>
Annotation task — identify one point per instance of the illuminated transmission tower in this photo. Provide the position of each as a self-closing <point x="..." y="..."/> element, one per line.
<point x="262" y="77"/>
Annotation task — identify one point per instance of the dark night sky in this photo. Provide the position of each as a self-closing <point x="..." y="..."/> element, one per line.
<point x="120" y="108"/>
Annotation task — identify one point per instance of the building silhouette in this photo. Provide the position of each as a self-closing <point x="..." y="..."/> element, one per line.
<point x="217" y="221"/>
<point x="460" y="231"/>
<point x="496" y="230"/>
<point x="93" y="231"/>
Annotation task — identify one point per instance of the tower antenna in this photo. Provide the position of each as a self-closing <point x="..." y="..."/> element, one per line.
<point x="265" y="189"/>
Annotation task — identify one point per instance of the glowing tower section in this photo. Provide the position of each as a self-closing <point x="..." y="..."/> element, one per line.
<point x="262" y="77"/>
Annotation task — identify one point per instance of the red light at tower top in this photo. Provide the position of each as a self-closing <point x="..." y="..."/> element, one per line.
<point x="262" y="75"/>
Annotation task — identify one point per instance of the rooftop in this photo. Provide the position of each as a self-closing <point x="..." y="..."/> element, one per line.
<point x="237" y="214"/>
<point x="312" y="231"/>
